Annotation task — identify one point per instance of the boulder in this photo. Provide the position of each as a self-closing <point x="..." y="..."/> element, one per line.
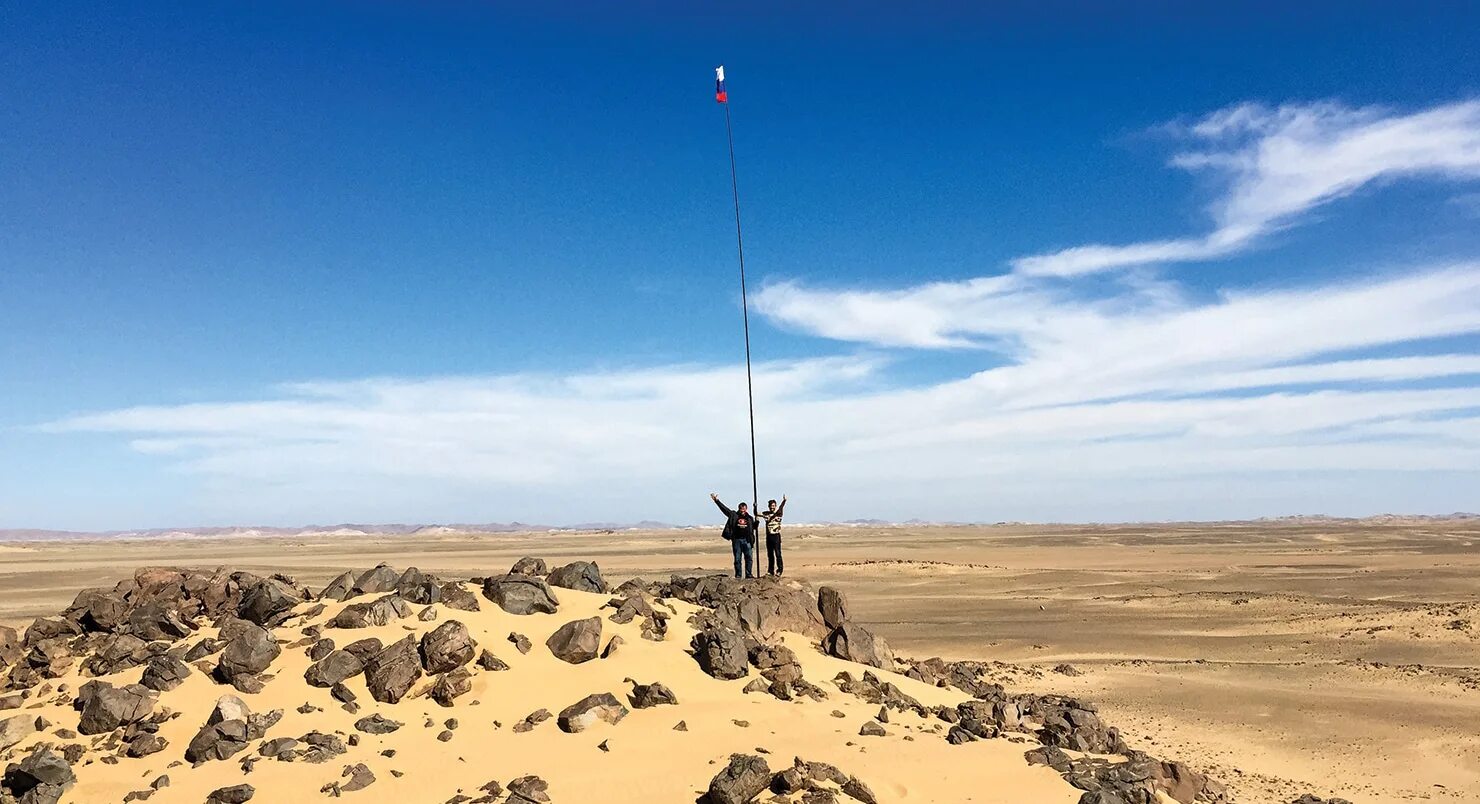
<point x="488" y="661"/>
<point x="576" y="642"/>
<point x="105" y="707"/>
<point x="528" y="790"/>
<point x="98" y="610"/>
<point x="390" y="673"/>
<point x="251" y="651"/>
<point x="164" y="673"/>
<point x="145" y="744"/>
<point x="581" y="715"/>
<point x="382" y="611"/>
<point x="40" y="778"/>
<point x="333" y="668"/>
<point x="832" y="604"/>
<point x="582" y="576"/>
<point x="218" y="741"/>
<point x="451" y="685"/>
<point x="446" y="647"/>
<point x="762" y="607"/>
<point x="268" y="602"/>
<point x="746" y="777"/>
<point x="520" y="594"/>
<point x="721" y="653"/>
<point x="529" y="566"/>
<point x="320" y="649"/>
<point x="520" y="642"/>
<point x="235" y="794"/>
<point x="855" y="643"/>
<point x="457" y="596"/>
<point x="340" y="588"/>
<point x="159" y="620"/>
<point x="418" y="588"/>
<point x="363" y="649"/>
<point x="228" y="707"/>
<point x="381" y="579"/>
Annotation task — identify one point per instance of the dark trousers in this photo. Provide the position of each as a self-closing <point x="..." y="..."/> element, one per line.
<point x="741" y="549"/>
<point x="773" y="554"/>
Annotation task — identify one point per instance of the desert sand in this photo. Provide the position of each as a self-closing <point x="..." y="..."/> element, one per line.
<point x="1334" y="658"/>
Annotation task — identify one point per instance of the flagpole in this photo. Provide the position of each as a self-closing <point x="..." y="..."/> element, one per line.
<point x="755" y="497"/>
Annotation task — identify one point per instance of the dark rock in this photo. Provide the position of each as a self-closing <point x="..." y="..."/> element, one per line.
<point x="832" y="604"/>
<point x="320" y="649"/>
<point x="235" y="794"/>
<point x="721" y="653"/>
<point x="521" y="594"/>
<point x="761" y="608"/>
<point x="520" y="641"/>
<point x="251" y="651"/>
<point x="105" y="707"/>
<point x="205" y="647"/>
<point x="456" y="596"/>
<point x="447" y="647"/>
<point x="582" y="576"/>
<point x="854" y="643"/>
<point x="859" y="791"/>
<point x="377" y="724"/>
<point x="339" y="588"/>
<point x="488" y="661"/>
<point x="159" y="620"/>
<point x="342" y="693"/>
<point x="390" y="673"/>
<point x="529" y="566"/>
<point x="40" y="778"/>
<point x="164" y="673"/>
<point x="577" y="641"/>
<point x="648" y="695"/>
<point x="872" y="728"/>
<point x="268" y="602"/>
<point x="418" y="588"/>
<point x="333" y="669"/>
<point x="360" y="778"/>
<point x="146" y="744"/>
<point x="581" y="715"/>
<point x="450" y="685"/>
<point x="528" y="790"/>
<point x="381" y="579"/>
<point x="743" y="779"/>
<point x="531" y="720"/>
<point x="218" y="741"/>
<point x="381" y="611"/>
<point x="363" y="649"/>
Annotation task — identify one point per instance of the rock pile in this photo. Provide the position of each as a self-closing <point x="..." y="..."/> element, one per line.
<point x="747" y="776"/>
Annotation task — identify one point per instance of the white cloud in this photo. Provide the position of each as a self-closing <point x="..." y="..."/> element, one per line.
<point x="1276" y="164"/>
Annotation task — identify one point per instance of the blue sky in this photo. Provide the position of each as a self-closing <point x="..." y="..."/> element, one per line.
<point x="375" y="262"/>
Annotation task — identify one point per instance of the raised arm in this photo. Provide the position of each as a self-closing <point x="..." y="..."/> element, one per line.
<point x="780" y="509"/>
<point x="721" y="505"/>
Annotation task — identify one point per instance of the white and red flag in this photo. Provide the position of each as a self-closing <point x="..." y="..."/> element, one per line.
<point x="719" y="85"/>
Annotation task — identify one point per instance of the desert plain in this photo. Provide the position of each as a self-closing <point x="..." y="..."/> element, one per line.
<point x="1333" y="657"/>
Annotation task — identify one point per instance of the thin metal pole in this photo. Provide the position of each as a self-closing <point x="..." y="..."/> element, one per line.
<point x="755" y="496"/>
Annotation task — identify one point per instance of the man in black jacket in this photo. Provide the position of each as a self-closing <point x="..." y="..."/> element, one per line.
<point x="740" y="531"/>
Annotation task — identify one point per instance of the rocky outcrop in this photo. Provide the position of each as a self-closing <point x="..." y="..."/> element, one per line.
<point x="761" y="608"/>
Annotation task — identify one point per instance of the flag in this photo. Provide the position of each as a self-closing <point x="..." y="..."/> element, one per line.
<point x="719" y="85"/>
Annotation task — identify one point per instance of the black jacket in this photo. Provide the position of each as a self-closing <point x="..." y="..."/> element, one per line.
<point x="733" y="528"/>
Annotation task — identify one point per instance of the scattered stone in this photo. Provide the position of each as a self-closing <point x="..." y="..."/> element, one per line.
<point x="531" y="720"/>
<point x="648" y="695"/>
<point x="146" y="744"/>
<point x="872" y="729"/>
<point x="16" y="728"/>
<point x="105" y="707"/>
<point x="520" y="641"/>
<point x="377" y="724"/>
<point x="164" y="673"/>
<point x="333" y="668"/>
<point x="249" y="652"/>
<point x="528" y="790"/>
<point x="854" y="643"/>
<point x="451" y="685"/>
<point x="581" y="715"/>
<point x="1068" y="670"/>
<point x="488" y="661"/>
<point x="611" y="646"/>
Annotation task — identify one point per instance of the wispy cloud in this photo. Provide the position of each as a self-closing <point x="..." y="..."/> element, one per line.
<point x="1275" y="164"/>
<point x="1113" y="391"/>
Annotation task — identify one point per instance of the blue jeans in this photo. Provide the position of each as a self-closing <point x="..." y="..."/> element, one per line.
<point x="743" y="553"/>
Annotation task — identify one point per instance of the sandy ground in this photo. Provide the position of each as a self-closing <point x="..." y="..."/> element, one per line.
<point x="1337" y="659"/>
